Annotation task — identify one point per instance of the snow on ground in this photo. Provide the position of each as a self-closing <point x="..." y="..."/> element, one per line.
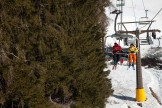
<point x="124" y="86"/>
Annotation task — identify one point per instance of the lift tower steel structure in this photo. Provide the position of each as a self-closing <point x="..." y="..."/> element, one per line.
<point x="140" y="92"/>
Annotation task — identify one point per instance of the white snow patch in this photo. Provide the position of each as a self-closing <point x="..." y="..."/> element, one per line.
<point x="124" y="86"/>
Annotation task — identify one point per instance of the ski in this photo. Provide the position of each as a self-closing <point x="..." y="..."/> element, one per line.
<point x="114" y="67"/>
<point x="131" y="65"/>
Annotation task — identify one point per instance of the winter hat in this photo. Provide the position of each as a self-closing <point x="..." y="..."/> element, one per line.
<point x="115" y="43"/>
<point x="131" y="44"/>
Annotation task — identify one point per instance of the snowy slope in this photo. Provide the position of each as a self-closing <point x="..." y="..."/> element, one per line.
<point x="124" y="86"/>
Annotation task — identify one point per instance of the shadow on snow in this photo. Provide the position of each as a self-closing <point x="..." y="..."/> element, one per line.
<point x="124" y="97"/>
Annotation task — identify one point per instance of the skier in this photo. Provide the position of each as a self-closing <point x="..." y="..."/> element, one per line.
<point x="116" y="56"/>
<point x="132" y="50"/>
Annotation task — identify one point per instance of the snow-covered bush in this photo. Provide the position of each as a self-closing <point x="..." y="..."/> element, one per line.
<point x="154" y="53"/>
<point x="153" y="59"/>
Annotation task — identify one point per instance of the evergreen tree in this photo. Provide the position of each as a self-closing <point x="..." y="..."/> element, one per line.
<point x="52" y="52"/>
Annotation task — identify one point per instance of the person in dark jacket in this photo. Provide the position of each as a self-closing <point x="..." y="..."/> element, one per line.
<point x="116" y="56"/>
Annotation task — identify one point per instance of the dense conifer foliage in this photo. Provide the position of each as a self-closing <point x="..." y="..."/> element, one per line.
<point x="51" y="53"/>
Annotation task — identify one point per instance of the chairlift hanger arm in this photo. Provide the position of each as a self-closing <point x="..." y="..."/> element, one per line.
<point x="115" y="22"/>
<point x="117" y="12"/>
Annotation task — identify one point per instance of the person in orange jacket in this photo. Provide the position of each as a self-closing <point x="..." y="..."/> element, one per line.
<point x="132" y="50"/>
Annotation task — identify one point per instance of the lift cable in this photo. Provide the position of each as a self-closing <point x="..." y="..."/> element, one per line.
<point x="153" y="18"/>
<point x="134" y="12"/>
<point x="144" y="8"/>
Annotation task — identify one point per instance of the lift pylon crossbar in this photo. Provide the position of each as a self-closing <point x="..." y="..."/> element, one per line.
<point x="121" y="36"/>
<point x="142" y="31"/>
<point x="136" y="22"/>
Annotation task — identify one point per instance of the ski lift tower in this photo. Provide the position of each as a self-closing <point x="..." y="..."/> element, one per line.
<point x="140" y="92"/>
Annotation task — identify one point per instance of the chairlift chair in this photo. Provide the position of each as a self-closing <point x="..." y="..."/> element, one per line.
<point x="108" y="50"/>
<point x="147" y="41"/>
<point x="143" y="21"/>
<point x="109" y="55"/>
